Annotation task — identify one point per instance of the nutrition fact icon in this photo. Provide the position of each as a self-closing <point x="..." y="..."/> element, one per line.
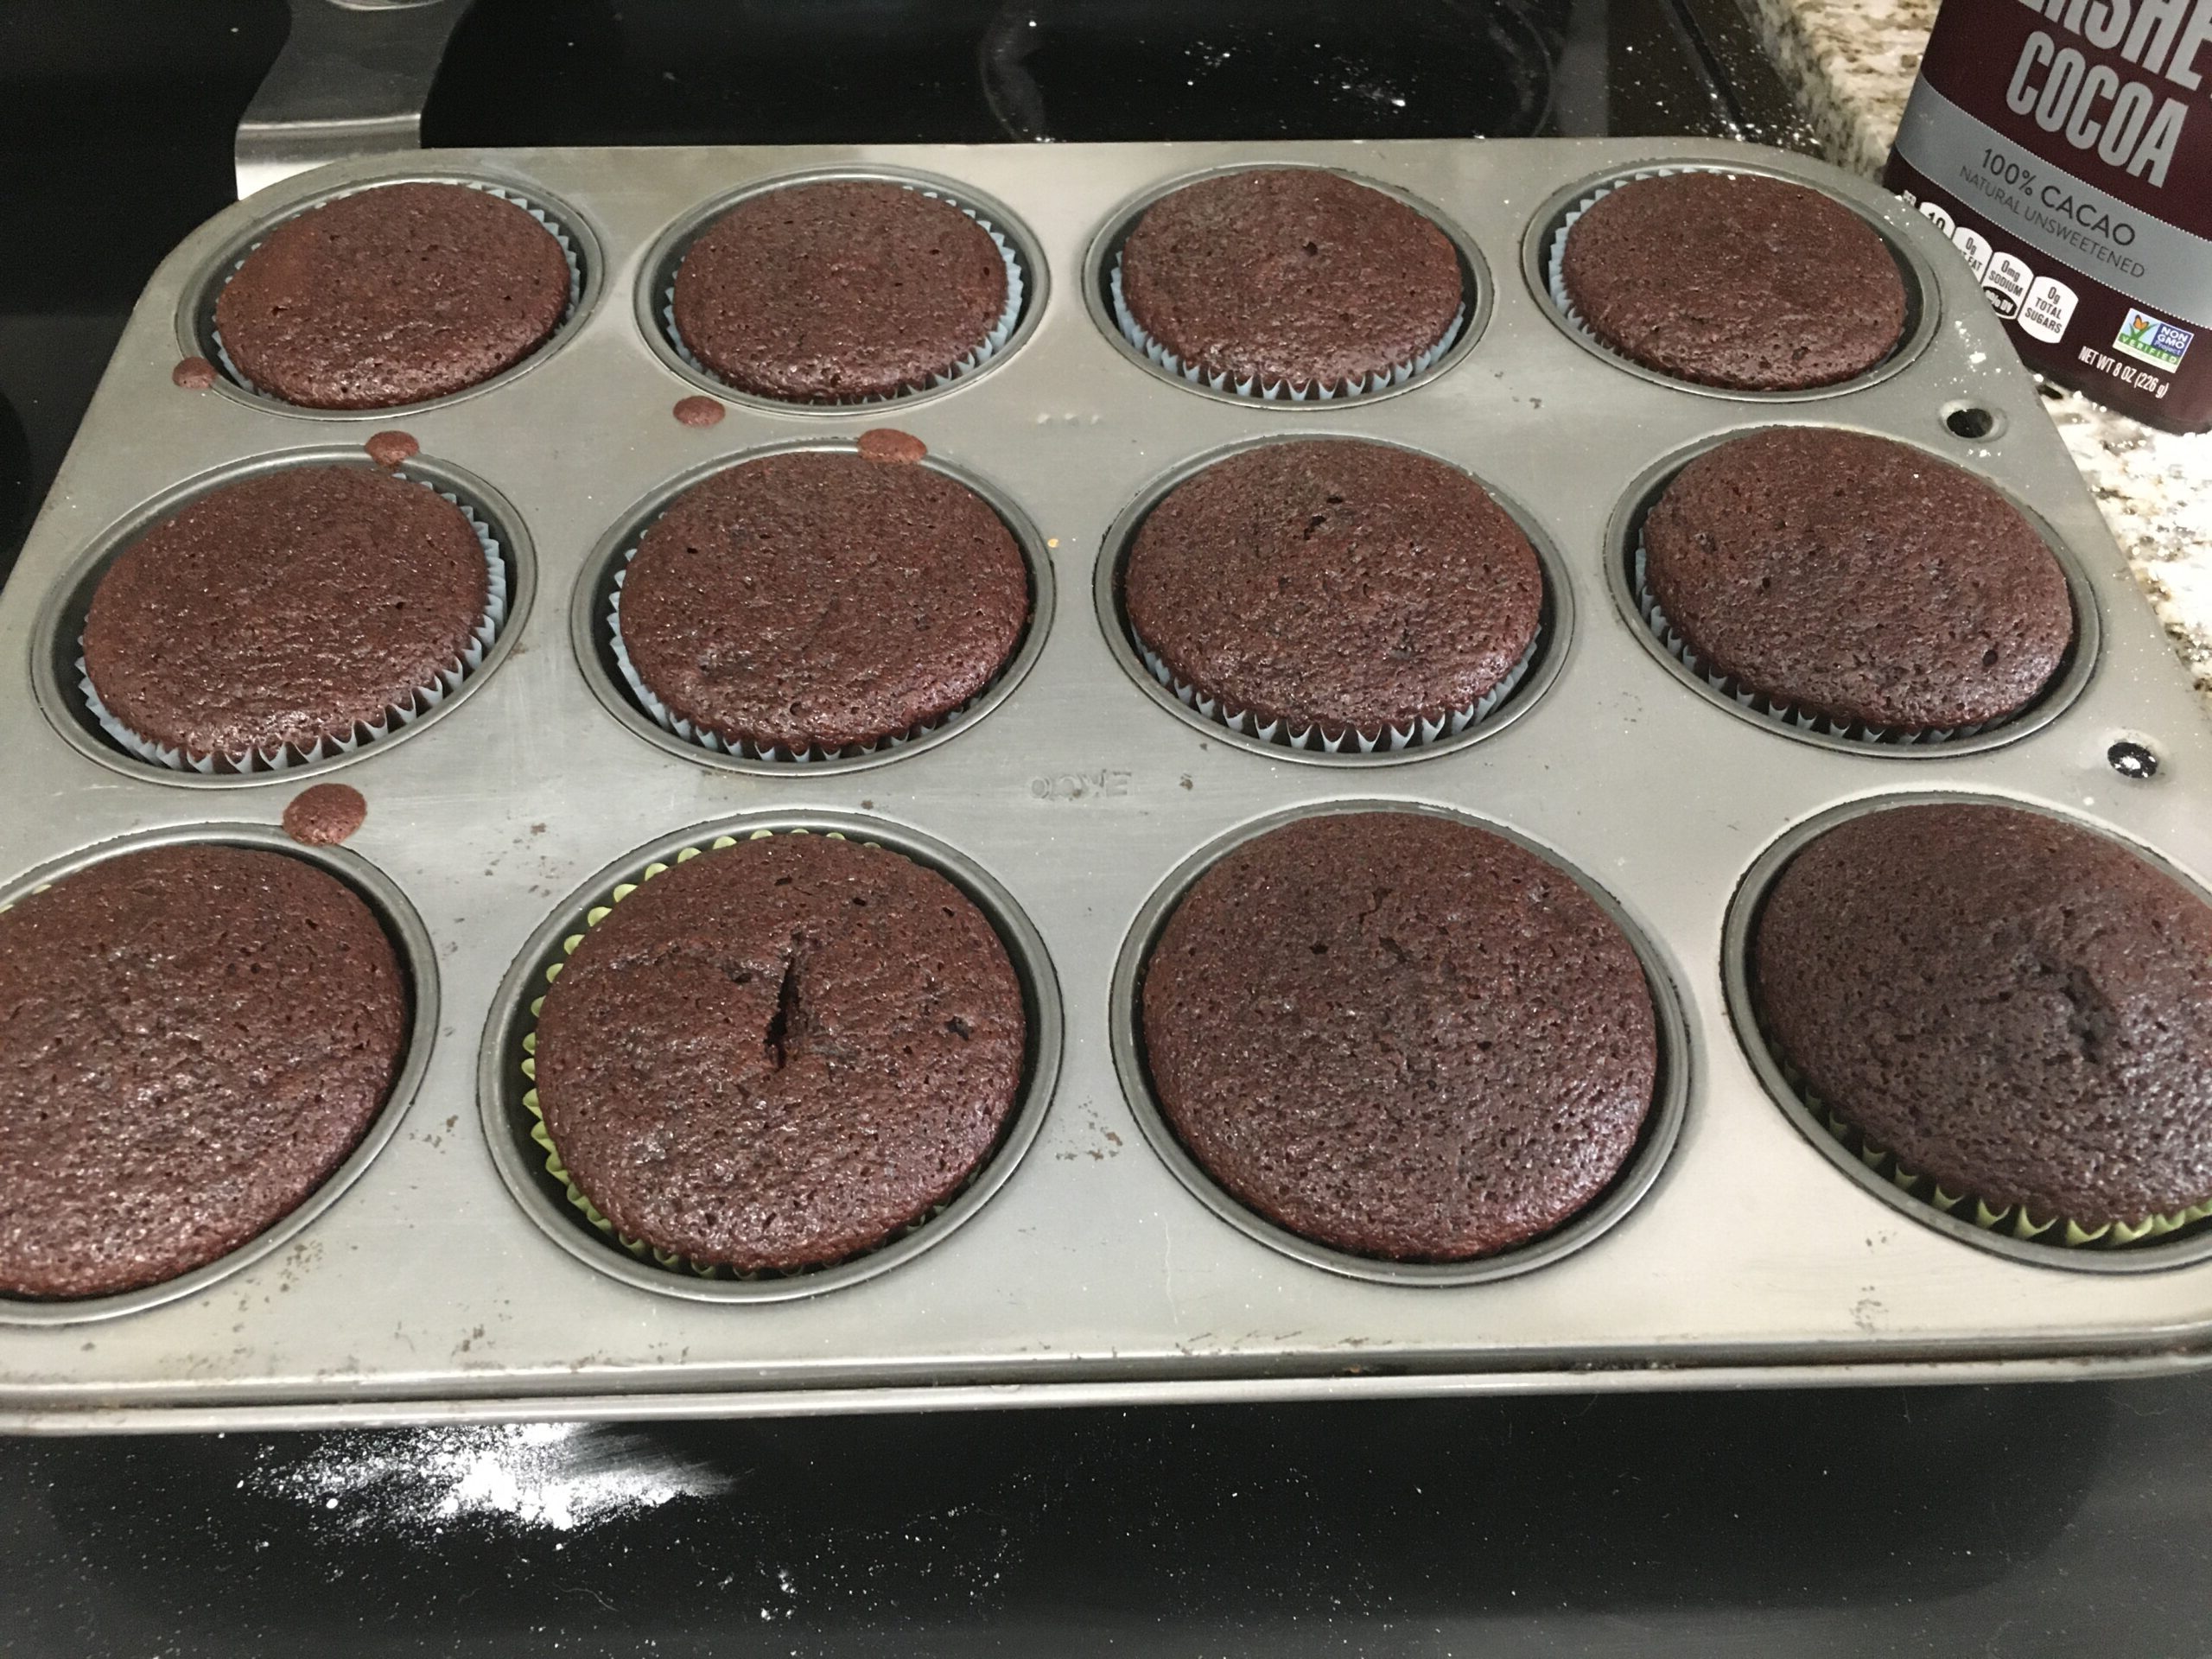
<point x="1975" y="246"/>
<point x="2048" y="309"/>
<point x="2005" y="283"/>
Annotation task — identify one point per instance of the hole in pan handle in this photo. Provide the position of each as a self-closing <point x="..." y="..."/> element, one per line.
<point x="1971" y="421"/>
<point x="2134" y="760"/>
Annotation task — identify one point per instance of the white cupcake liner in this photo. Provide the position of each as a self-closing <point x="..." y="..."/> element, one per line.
<point x="671" y="1260"/>
<point x="1312" y="739"/>
<point x="420" y="702"/>
<point x="1279" y="390"/>
<point x="691" y="732"/>
<point x="542" y="215"/>
<point x="993" y="343"/>
<point x="2013" y="1220"/>
<point x="1779" y="710"/>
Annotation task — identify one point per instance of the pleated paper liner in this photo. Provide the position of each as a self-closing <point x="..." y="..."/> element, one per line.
<point x="1017" y="288"/>
<point x="1784" y="713"/>
<point x="398" y="717"/>
<point x="1277" y="391"/>
<point x="690" y="731"/>
<point x="1385" y="739"/>
<point x="2015" y="1221"/>
<point x="671" y="1260"/>
<point x="536" y="210"/>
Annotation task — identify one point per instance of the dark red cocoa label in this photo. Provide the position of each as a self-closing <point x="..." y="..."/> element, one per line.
<point x="2065" y="147"/>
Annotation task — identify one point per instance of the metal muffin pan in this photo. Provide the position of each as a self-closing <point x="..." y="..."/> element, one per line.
<point x="429" y="1291"/>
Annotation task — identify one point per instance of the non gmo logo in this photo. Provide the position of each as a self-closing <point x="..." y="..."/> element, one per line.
<point x="2145" y="338"/>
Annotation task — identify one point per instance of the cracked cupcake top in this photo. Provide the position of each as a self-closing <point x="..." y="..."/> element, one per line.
<point x="781" y="1054"/>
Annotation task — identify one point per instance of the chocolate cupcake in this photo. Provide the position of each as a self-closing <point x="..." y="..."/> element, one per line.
<point x="1751" y="283"/>
<point x="1854" y="583"/>
<point x="1399" y="1035"/>
<point x="287" y="616"/>
<point x="1322" y="588"/>
<point x="844" y="290"/>
<point x="1288" y="282"/>
<point x="196" y="1038"/>
<point x="2014" y="1010"/>
<point x="393" y="295"/>
<point x="778" y="1054"/>
<point x="818" y="602"/>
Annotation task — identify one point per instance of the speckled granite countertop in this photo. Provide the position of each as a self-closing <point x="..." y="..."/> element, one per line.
<point x="1853" y="62"/>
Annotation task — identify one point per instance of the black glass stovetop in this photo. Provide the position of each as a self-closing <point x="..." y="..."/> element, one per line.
<point x="1028" y="71"/>
<point x="2020" y="1521"/>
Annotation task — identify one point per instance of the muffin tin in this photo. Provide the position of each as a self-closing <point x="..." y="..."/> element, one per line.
<point x="443" y="1274"/>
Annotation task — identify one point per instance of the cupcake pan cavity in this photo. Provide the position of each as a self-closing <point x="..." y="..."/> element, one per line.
<point x="595" y="635"/>
<point x="1505" y="702"/>
<point x="1025" y="299"/>
<point x="65" y="689"/>
<point x="525" y="1155"/>
<point x="1102" y="290"/>
<point x="1641" y="609"/>
<point x="1669" y="1093"/>
<point x="454" y="1280"/>
<point x="417" y="956"/>
<point x="400" y="715"/>
<point x="1544" y="247"/>
<point x="196" y="319"/>
<point x="2155" y="1242"/>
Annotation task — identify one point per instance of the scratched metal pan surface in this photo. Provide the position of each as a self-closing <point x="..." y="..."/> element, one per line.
<point x="450" y="1280"/>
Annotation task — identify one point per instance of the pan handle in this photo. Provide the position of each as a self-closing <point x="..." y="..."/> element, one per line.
<point x="351" y="80"/>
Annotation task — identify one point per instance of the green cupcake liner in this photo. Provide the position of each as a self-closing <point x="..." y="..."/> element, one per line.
<point x="671" y="1260"/>
<point x="2058" y="1230"/>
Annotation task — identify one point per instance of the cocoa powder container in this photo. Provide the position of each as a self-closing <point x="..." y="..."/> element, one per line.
<point x="2067" y="152"/>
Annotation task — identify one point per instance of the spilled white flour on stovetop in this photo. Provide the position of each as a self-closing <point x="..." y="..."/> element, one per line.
<point x="554" y="1477"/>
